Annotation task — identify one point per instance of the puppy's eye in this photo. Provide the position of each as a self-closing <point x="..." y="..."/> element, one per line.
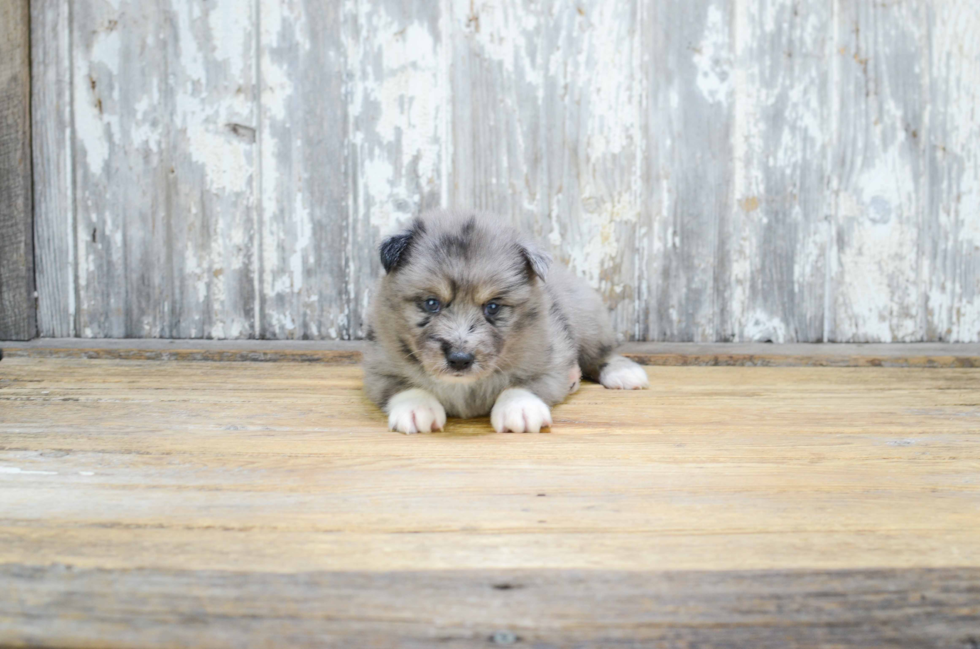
<point x="491" y="309"/>
<point x="432" y="305"/>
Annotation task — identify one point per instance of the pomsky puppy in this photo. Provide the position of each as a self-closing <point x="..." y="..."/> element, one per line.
<point x="471" y="318"/>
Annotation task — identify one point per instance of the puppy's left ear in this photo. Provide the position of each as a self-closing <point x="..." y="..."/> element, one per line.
<point x="538" y="260"/>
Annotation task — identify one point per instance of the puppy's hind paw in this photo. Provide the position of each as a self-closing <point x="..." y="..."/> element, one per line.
<point x="623" y="374"/>
<point x="519" y="411"/>
<point x="415" y="411"/>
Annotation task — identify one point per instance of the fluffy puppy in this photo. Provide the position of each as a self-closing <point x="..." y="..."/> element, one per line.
<point x="471" y="318"/>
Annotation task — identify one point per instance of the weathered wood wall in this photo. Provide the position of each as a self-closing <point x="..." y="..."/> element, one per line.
<point x="17" y="309"/>
<point x="786" y="170"/>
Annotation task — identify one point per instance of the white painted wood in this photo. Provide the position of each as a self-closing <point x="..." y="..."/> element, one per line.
<point x="950" y="236"/>
<point x="304" y="186"/>
<point x="777" y="237"/>
<point x="718" y="170"/>
<point x="164" y="114"/>
<point x="687" y="181"/>
<point x="879" y="173"/>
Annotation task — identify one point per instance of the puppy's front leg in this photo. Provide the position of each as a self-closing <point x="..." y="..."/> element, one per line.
<point x="519" y="411"/>
<point x="415" y="411"/>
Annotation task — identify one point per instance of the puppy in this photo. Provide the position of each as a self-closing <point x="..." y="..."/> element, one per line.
<point x="471" y="318"/>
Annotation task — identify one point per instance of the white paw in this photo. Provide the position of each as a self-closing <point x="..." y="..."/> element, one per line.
<point x="415" y="411"/>
<point x="623" y="374"/>
<point x="519" y="411"/>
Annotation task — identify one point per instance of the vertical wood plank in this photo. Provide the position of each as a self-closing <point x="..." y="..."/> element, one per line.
<point x="17" y="305"/>
<point x="590" y="134"/>
<point x="212" y="69"/>
<point x="688" y="65"/>
<point x="51" y="140"/>
<point x="879" y="173"/>
<point x="397" y="120"/>
<point x="546" y="111"/>
<point x="950" y="236"/>
<point x="121" y="117"/>
<point x="304" y="202"/>
<point x="778" y="233"/>
<point x="498" y="49"/>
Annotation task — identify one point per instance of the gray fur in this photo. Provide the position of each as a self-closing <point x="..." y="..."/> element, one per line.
<point x="549" y="322"/>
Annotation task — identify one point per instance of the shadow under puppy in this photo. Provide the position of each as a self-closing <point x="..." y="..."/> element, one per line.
<point x="471" y="318"/>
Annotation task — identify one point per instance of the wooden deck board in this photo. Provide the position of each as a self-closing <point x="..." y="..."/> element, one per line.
<point x="147" y="503"/>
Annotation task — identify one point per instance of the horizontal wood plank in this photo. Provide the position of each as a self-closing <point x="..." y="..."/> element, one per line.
<point x="918" y="609"/>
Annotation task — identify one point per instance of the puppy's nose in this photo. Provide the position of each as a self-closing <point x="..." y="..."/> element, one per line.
<point x="459" y="360"/>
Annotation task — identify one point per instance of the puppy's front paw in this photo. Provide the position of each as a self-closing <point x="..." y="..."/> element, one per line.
<point x="415" y="411"/>
<point x="519" y="411"/>
<point x="623" y="374"/>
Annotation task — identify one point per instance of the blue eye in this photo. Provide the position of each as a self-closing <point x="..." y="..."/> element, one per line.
<point x="491" y="309"/>
<point x="433" y="305"/>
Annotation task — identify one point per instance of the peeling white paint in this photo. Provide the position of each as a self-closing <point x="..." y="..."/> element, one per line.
<point x="231" y="30"/>
<point x="574" y="117"/>
<point x="96" y="119"/>
<point x="713" y="58"/>
<point x="397" y="103"/>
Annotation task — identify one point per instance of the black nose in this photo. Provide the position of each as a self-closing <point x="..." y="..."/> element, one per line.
<point x="459" y="360"/>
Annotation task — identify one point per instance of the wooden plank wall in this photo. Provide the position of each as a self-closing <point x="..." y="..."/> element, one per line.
<point x="721" y="170"/>
<point x="17" y="306"/>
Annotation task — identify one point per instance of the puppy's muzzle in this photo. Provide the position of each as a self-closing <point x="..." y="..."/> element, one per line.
<point x="459" y="361"/>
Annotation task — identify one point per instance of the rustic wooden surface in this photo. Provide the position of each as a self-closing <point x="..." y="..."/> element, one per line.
<point x="217" y="504"/>
<point x="914" y="609"/>
<point x="17" y="307"/>
<point x="718" y="170"/>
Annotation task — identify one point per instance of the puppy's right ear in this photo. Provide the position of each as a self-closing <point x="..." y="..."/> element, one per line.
<point x="394" y="250"/>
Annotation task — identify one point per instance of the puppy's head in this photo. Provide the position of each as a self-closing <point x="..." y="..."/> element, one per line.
<point x="459" y="289"/>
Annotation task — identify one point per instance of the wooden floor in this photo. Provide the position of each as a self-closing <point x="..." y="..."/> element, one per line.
<point x="164" y="503"/>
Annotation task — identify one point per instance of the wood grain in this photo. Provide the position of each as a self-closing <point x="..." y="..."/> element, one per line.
<point x="51" y="140"/>
<point x="778" y="232"/>
<point x="950" y="237"/>
<point x="207" y="503"/>
<point x="18" y="319"/>
<point x="303" y="235"/>
<point x="880" y="176"/>
<point x="687" y="182"/>
<point x="917" y="609"/>
<point x="164" y="118"/>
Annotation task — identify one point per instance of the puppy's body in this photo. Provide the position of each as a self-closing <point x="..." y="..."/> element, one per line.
<point x="469" y="319"/>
